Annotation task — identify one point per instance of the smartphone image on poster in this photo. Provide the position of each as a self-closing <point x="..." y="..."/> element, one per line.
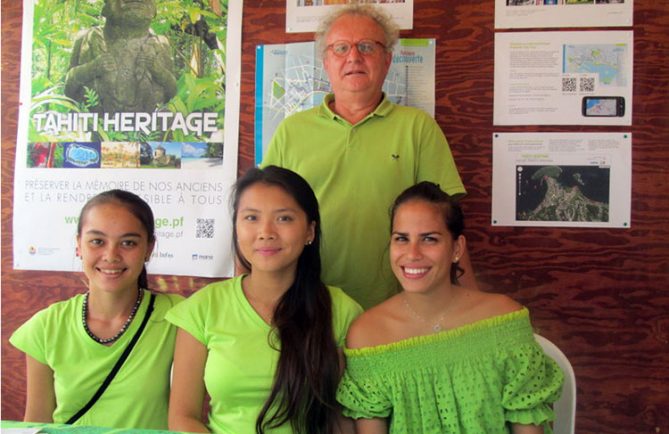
<point x="607" y="106"/>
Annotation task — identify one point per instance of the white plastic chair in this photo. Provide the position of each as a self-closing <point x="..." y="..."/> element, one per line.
<point x="565" y="407"/>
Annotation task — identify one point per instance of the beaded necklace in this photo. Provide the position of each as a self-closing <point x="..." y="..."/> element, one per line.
<point x="125" y="326"/>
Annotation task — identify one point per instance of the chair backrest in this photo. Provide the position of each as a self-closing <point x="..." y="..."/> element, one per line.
<point x="565" y="407"/>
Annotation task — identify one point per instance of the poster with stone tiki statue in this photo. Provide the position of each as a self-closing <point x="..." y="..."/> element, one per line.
<point x="112" y="87"/>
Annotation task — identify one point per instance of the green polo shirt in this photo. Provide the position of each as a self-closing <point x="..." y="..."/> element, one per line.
<point x="357" y="171"/>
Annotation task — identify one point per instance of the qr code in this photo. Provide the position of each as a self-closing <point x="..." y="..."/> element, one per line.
<point x="205" y="228"/>
<point x="587" y="84"/>
<point x="568" y="84"/>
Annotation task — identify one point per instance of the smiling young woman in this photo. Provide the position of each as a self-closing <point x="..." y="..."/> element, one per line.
<point x="264" y="345"/>
<point x="468" y="357"/>
<point x="72" y="346"/>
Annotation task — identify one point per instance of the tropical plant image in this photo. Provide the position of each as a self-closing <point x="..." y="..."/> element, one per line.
<point x="110" y="70"/>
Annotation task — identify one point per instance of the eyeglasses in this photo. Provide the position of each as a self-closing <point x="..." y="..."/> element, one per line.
<point x="366" y="47"/>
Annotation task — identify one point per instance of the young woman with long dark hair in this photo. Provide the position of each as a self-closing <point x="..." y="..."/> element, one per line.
<point x="264" y="345"/>
<point x="72" y="346"/>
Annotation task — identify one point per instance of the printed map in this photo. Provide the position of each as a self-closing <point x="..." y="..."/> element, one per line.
<point x="607" y="61"/>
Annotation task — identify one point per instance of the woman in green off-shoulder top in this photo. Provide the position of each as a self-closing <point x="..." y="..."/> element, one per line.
<point x="439" y="357"/>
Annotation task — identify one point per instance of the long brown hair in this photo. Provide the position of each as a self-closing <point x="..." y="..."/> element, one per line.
<point x="307" y="374"/>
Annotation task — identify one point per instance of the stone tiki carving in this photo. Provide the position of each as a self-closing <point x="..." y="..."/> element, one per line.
<point x="129" y="66"/>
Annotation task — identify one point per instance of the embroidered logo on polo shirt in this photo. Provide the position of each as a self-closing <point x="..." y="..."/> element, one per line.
<point x="395" y="156"/>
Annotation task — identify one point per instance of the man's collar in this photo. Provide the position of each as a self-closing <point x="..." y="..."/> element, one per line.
<point x="383" y="109"/>
<point x="325" y="109"/>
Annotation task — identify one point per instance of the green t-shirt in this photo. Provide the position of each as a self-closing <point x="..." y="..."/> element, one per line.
<point x="478" y="378"/>
<point x="240" y="366"/>
<point x="137" y="397"/>
<point x="357" y="171"/>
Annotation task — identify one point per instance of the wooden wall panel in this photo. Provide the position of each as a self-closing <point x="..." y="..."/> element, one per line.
<point x="601" y="294"/>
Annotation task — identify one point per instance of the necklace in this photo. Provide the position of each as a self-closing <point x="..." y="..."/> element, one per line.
<point x="435" y="326"/>
<point x="114" y="338"/>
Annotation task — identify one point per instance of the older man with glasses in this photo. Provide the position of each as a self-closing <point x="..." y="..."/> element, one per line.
<point x="358" y="151"/>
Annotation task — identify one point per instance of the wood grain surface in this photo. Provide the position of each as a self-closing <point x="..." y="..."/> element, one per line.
<point x="602" y="295"/>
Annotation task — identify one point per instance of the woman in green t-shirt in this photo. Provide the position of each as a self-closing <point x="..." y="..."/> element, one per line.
<point x="73" y="345"/>
<point x="439" y="357"/>
<point x="264" y="345"/>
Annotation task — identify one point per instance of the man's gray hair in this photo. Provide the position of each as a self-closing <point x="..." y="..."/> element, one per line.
<point x="380" y="17"/>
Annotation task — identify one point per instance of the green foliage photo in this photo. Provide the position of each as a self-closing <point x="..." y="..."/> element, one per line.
<point x="196" y="31"/>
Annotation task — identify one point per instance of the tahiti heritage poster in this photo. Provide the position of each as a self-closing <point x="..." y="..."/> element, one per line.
<point x="138" y="95"/>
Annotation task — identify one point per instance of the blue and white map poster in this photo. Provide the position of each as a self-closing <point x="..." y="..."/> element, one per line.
<point x="154" y="111"/>
<point x="562" y="179"/>
<point x="563" y="78"/>
<point x="290" y="78"/>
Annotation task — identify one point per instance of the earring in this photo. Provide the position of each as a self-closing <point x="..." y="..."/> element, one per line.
<point x="455" y="260"/>
<point x="308" y="243"/>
